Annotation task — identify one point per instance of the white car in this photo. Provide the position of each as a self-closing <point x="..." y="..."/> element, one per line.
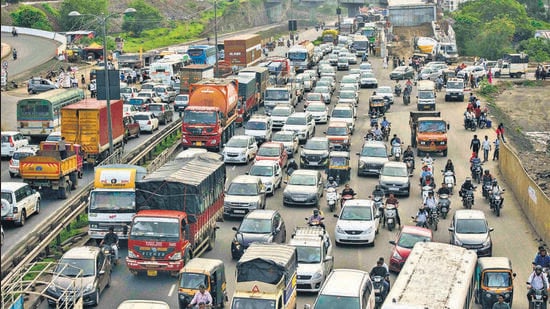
<point x="319" y="112"/>
<point x="240" y="149"/>
<point x="288" y="139"/>
<point x="302" y="123"/>
<point x="269" y="172"/>
<point x="344" y="112"/>
<point x="358" y="223"/>
<point x="147" y="121"/>
<point x="11" y="141"/>
<point x="19" y="154"/>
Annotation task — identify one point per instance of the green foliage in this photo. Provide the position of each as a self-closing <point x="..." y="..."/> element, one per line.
<point x="68" y="23"/>
<point x="538" y="49"/>
<point x="30" y="17"/>
<point x="145" y="17"/>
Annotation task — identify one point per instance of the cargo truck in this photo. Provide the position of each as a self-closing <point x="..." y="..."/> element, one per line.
<point x="243" y="50"/>
<point x="428" y="132"/>
<point x="194" y="73"/>
<point x="112" y="201"/>
<point x="86" y="123"/>
<point x="178" y="206"/>
<point x="209" y="119"/>
<point x="48" y="171"/>
<point x="247" y="98"/>
<point x="261" y="75"/>
<point x="301" y="56"/>
<point x="266" y="277"/>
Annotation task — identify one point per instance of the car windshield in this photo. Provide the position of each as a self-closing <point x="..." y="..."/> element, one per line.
<point x="337" y="131"/>
<point x="309" y="254"/>
<point x="269" y="152"/>
<point x="342" y="113"/>
<point x="192" y="280"/>
<point x="394" y="171"/>
<point x="242" y="189"/>
<point x="316" y="145"/>
<point x="256" y="125"/>
<point x="347" y="95"/>
<point x="256" y="226"/>
<point x="73" y="267"/>
<point x="281" y="112"/>
<point x="313" y="97"/>
<point x="296" y="121"/>
<point x="261" y="171"/>
<point x="316" y="108"/>
<point x="383" y="90"/>
<point x="379" y="152"/>
<point x="283" y="137"/>
<point x="359" y="213"/>
<point x="471" y="226"/>
<point x="407" y="240"/>
<point x="237" y="143"/>
<point x="302" y="180"/>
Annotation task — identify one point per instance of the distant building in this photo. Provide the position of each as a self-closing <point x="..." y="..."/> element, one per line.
<point x="543" y="34"/>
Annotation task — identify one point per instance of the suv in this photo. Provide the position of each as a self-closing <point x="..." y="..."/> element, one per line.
<point x="244" y="194"/>
<point x="315" y="260"/>
<point x="315" y="153"/>
<point x="167" y="94"/>
<point x="301" y="123"/>
<point x="279" y="114"/>
<point x="260" y="128"/>
<point x="265" y="225"/>
<point x="19" y="201"/>
<point x="85" y="267"/>
<point x="37" y="85"/>
<point x="454" y="89"/>
<point x="358" y="223"/>
<point x="373" y="156"/>
<point x="19" y="154"/>
<point x="394" y="178"/>
<point x="270" y="173"/>
<point x="469" y="229"/>
<point x="163" y="111"/>
<point x="305" y="187"/>
<point x="11" y="142"/>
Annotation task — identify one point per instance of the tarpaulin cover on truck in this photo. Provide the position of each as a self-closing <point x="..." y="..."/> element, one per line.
<point x="183" y="185"/>
<point x="267" y="263"/>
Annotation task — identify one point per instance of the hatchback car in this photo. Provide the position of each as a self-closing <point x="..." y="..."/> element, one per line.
<point x="84" y="268"/>
<point x="244" y="194"/>
<point x="266" y="226"/>
<point x="273" y="151"/>
<point x="270" y="173"/>
<point x="469" y="229"/>
<point x="19" y="201"/>
<point x="180" y="102"/>
<point x="402" y="72"/>
<point x="373" y="156"/>
<point x="163" y="111"/>
<point x="131" y="127"/>
<point x="147" y="121"/>
<point x="403" y="244"/>
<point x="19" y="154"/>
<point x="240" y="149"/>
<point x="315" y="153"/>
<point x="394" y="178"/>
<point x="357" y="223"/>
<point x="12" y="141"/>
<point x="288" y="139"/>
<point x="319" y="111"/>
<point x="304" y="188"/>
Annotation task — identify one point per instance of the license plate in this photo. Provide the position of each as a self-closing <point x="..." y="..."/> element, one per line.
<point x="198" y="143"/>
<point x="151" y="273"/>
<point x="238" y="211"/>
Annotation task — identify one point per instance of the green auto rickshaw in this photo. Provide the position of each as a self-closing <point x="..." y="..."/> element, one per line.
<point x="493" y="276"/>
<point x="339" y="166"/>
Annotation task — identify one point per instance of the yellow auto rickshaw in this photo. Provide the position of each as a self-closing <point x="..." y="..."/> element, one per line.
<point x="339" y="166"/>
<point x="494" y="276"/>
<point x="209" y="273"/>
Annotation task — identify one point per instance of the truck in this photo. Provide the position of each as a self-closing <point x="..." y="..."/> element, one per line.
<point x="112" y="201"/>
<point x="209" y="118"/>
<point x="194" y="73"/>
<point x="247" y="98"/>
<point x="48" y="171"/>
<point x="280" y="95"/>
<point x="301" y="56"/>
<point x="428" y="132"/>
<point x="454" y="89"/>
<point x="261" y="74"/>
<point x="243" y="50"/>
<point x="425" y="95"/>
<point x="266" y="277"/>
<point x="513" y="65"/>
<point x="86" y="123"/>
<point x="330" y="36"/>
<point x="178" y="206"/>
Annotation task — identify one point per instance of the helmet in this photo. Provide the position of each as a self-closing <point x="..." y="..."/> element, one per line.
<point x="538" y="267"/>
<point x="331" y="178"/>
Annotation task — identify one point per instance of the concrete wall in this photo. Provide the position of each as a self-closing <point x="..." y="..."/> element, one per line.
<point x="534" y="203"/>
<point x="411" y="15"/>
<point x="41" y="33"/>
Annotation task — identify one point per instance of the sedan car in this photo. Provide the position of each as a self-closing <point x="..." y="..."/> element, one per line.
<point x="270" y="173"/>
<point x="368" y="80"/>
<point x="319" y="112"/>
<point x="304" y="188"/>
<point x="273" y="151"/>
<point x="147" y="121"/>
<point x="358" y="223"/>
<point x="266" y="226"/>
<point x="469" y="229"/>
<point x="394" y="178"/>
<point x="288" y="139"/>
<point x="240" y="149"/>
<point x="403" y="244"/>
<point x="402" y="72"/>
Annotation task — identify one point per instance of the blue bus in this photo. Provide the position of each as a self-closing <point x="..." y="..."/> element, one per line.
<point x="202" y="54"/>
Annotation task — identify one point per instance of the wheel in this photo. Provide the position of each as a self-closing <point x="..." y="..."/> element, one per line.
<point x="23" y="218"/>
<point x="37" y="207"/>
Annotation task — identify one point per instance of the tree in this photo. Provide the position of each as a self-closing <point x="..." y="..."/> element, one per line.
<point x="68" y="23"/>
<point x="145" y="17"/>
<point x="30" y="17"/>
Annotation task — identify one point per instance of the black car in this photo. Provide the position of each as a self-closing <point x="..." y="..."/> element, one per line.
<point x="315" y="153"/>
<point x="261" y="225"/>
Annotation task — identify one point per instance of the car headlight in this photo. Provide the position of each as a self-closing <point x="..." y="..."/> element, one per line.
<point x="176" y="256"/>
<point x="132" y="255"/>
<point x="89" y="288"/>
<point x="396" y="255"/>
<point x="316" y="276"/>
<point x="339" y="229"/>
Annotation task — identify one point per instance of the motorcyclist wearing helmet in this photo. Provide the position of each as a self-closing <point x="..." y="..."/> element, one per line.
<point x="542" y="258"/>
<point x="331" y="183"/>
<point x="316" y="219"/>
<point x="497" y="190"/>
<point x="537" y="281"/>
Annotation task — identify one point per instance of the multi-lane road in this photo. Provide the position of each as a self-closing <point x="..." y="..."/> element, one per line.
<point x="513" y="236"/>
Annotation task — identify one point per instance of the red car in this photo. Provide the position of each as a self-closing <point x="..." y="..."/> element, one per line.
<point x="273" y="151"/>
<point x="404" y="243"/>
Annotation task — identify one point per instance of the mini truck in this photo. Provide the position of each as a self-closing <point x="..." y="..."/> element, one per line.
<point x="47" y="171"/>
<point x="266" y="277"/>
<point x="428" y="132"/>
<point x="179" y="205"/>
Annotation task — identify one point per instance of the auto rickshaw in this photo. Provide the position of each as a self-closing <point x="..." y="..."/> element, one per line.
<point x="207" y="272"/>
<point x="339" y="166"/>
<point x="493" y="276"/>
<point x="377" y="102"/>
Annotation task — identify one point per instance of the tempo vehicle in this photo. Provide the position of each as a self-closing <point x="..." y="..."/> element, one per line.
<point x="358" y="223"/>
<point x="19" y="201"/>
<point x="244" y="194"/>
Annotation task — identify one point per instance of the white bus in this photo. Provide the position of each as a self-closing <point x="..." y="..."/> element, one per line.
<point x="435" y="276"/>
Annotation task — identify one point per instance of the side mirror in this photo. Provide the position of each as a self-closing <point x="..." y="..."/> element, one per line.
<point x="235" y="228"/>
<point x="392" y="242"/>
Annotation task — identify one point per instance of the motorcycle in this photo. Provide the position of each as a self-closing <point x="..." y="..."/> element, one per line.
<point x="410" y="164"/>
<point x="396" y="151"/>
<point x="444" y="205"/>
<point x="477" y="171"/>
<point x="379" y="290"/>
<point x="468" y="199"/>
<point x="332" y="198"/>
<point x="449" y="179"/>
<point x="109" y="252"/>
<point x="496" y="202"/>
<point x="390" y="215"/>
<point x="537" y="299"/>
<point x="397" y="90"/>
<point x="346" y="197"/>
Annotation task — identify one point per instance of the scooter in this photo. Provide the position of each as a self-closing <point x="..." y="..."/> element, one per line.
<point x="444" y="205"/>
<point x="332" y="198"/>
<point x="396" y="151"/>
<point x="390" y="214"/>
<point x="379" y="290"/>
<point x="449" y="179"/>
<point x="537" y="299"/>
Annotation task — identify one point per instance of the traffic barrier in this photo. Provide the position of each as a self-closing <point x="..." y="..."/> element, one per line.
<point x="533" y="201"/>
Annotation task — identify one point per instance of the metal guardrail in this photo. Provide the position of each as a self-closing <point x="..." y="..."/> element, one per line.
<point x="36" y="241"/>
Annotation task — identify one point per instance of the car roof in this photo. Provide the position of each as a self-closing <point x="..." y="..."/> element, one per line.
<point x="245" y="179"/>
<point x="83" y="252"/>
<point x="261" y="214"/>
<point x="469" y="214"/>
<point x="8" y="186"/>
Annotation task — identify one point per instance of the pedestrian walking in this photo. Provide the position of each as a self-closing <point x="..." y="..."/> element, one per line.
<point x="475" y="144"/>
<point x="500" y="132"/>
<point x="486" y="145"/>
<point x="497" y="149"/>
